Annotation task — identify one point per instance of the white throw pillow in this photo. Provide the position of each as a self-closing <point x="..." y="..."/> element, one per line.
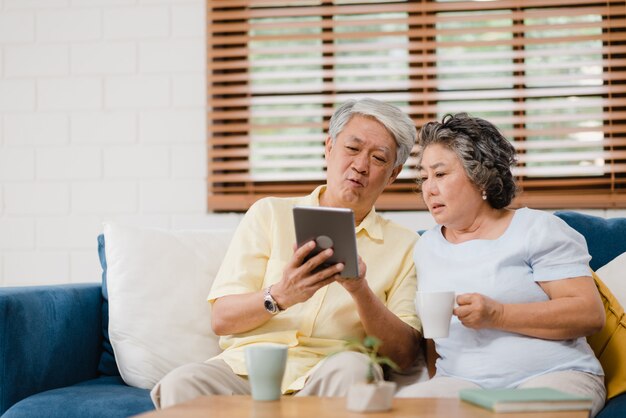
<point x="158" y="282"/>
<point x="613" y="275"/>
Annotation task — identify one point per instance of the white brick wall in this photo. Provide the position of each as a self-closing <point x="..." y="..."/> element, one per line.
<point x="17" y="234"/>
<point x="137" y="22"/>
<point x="137" y="91"/>
<point x="36" y="198"/>
<point x="66" y="25"/>
<point x="71" y="93"/>
<point x="103" y="127"/>
<point x="104" y="58"/>
<point x="36" y="60"/>
<point x="35" y="128"/>
<point x="69" y="163"/>
<point x="16" y="26"/>
<point x="102" y="117"/>
<point x="17" y="95"/>
<point x="17" y="164"/>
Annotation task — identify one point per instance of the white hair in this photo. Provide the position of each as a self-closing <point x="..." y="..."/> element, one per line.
<point x="398" y="123"/>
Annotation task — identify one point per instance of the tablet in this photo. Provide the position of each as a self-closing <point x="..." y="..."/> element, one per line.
<point x="329" y="228"/>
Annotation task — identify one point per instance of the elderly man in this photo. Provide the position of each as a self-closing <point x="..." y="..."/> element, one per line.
<point x="266" y="292"/>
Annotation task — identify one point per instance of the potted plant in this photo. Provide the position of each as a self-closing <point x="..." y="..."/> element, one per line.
<point x="375" y="394"/>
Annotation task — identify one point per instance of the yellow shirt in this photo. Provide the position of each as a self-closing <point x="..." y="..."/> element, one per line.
<point x="263" y="244"/>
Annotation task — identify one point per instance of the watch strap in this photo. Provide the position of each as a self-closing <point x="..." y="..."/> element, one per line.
<point x="269" y="303"/>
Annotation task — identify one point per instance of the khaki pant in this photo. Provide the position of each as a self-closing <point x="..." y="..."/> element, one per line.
<point x="575" y="382"/>
<point x="332" y="378"/>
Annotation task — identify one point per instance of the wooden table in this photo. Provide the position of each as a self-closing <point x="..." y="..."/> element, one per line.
<point x="314" y="407"/>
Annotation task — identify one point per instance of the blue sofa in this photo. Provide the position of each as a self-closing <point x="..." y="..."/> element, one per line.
<point x="55" y="356"/>
<point x="56" y="360"/>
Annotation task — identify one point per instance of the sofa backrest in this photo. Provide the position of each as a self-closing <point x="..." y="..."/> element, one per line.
<point x="606" y="237"/>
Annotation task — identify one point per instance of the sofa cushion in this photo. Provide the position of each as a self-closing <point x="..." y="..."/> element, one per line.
<point x="613" y="275"/>
<point x="157" y="283"/>
<point x="105" y="397"/>
<point x="609" y="345"/>
<point x="606" y="238"/>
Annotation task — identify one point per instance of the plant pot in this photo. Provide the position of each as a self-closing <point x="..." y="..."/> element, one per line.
<point x="370" y="397"/>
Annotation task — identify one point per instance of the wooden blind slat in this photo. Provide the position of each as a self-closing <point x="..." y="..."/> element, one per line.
<point x="418" y="19"/>
<point x="317" y="36"/>
<point x="414" y="59"/>
<point x="249" y="11"/>
<point x="406" y="45"/>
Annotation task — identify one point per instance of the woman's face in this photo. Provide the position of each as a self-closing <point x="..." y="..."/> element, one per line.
<point x="452" y="199"/>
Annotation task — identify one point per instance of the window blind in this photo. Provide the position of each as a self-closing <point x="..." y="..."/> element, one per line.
<point x="551" y="74"/>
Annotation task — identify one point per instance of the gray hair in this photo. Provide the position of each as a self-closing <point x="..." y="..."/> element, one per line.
<point x="486" y="155"/>
<point x="398" y="123"/>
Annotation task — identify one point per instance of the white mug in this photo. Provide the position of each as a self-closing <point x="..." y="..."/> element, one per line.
<point x="435" y="312"/>
<point x="266" y="367"/>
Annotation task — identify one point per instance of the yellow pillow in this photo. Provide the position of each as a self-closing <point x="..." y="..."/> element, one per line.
<point x="609" y="344"/>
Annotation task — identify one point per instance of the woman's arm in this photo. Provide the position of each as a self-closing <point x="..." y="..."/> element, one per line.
<point x="574" y="310"/>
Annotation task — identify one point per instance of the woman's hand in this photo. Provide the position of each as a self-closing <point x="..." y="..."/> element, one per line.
<point x="478" y="311"/>
<point x="299" y="282"/>
<point x="574" y="310"/>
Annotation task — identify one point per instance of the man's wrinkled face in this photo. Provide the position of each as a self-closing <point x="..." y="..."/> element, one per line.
<point x="360" y="164"/>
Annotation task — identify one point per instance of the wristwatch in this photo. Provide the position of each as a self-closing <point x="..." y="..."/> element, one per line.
<point x="268" y="301"/>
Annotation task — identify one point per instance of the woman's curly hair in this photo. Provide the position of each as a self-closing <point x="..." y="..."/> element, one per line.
<point x="486" y="155"/>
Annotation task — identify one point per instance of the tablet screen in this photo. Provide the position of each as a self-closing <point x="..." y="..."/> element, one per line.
<point x="329" y="228"/>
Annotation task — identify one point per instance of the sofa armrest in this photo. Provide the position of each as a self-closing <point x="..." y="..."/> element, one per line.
<point x="50" y="337"/>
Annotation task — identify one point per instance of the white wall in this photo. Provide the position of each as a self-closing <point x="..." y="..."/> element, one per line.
<point x="102" y="117"/>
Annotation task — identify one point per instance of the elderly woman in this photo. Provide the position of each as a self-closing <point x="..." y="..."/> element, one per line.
<point x="524" y="292"/>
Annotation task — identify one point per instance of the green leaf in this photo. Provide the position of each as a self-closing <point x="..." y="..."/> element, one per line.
<point x="371" y="342"/>
<point x="369" y="346"/>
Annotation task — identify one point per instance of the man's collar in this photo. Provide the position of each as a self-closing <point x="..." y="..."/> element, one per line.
<point x="314" y="197"/>
<point x="372" y="223"/>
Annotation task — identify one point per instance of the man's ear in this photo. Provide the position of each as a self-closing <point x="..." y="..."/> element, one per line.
<point x="328" y="146"/>
<point x="394" y="174"/>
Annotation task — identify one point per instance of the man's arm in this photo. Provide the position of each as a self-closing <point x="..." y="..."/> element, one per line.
<point x="431" y="357"/>
<point x="400" y="341"/>
<point x="235" y="314"/>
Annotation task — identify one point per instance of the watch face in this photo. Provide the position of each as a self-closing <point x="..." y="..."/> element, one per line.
<point x="270" y="306"/>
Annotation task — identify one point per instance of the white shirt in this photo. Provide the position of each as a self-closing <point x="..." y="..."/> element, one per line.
<point x="537" y="246"/>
